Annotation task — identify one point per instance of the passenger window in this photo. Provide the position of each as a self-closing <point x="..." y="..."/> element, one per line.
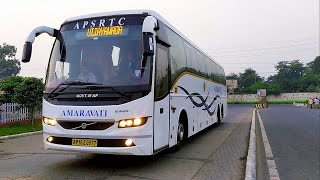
<point x="202" y="64"/>
<point x="191" y="58"/>
<point x="177" y="55"/>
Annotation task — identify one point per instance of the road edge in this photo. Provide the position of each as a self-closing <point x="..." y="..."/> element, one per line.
<point x="251" y="157"/>
<point x="20" y="135"/>
<point x="273" y="172"/>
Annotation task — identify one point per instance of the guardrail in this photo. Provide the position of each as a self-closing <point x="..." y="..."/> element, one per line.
<point x="12" y="112"/>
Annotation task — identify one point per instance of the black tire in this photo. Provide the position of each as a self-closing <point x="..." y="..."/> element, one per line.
<point x="180" y="136"/>
<point x="219" y="117"/>
<point x="222" y="113"/>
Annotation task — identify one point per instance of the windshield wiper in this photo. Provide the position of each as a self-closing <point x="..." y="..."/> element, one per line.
<point x="107" y="87"/>
<point x="68" y="83"/>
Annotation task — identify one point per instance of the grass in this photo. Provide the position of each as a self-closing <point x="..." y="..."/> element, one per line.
<point x="19" y="128"/>
<point x="246" y="102"/>
<point x="288" y="102"/>
<point x="270" y="102"/>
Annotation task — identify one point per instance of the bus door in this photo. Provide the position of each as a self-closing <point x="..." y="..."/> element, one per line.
<point x="162" y="99"/>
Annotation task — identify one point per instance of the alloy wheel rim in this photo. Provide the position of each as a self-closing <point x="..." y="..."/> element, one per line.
<point x="181" y="131"/>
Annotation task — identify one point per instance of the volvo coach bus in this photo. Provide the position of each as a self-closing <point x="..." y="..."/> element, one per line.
<point x="126" y="83"/>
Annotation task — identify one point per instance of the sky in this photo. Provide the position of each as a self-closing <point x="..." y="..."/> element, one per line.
<point x="238" y="34"/>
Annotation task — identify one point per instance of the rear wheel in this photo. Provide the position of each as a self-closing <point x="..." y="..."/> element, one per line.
<point x="219" y="117"/>
<point x="222" y="115"/>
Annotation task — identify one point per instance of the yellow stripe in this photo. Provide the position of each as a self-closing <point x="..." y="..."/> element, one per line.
<point x="195" y="75"/>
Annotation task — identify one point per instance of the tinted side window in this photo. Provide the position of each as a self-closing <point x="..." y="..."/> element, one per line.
<point x="224" y="77"/>
<point x="177" y="55"/>
<point x="210" y="68"/>
<point x="191" y="58"/>
<point x="220" y="76"/>
<point x="202" y="64"/>
<point x="215" y="73"/>
<point x="162" y="78"/>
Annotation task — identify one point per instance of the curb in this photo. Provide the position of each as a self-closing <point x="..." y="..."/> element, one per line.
<point x="251" y="157"/>
<point x="20" y="135"/>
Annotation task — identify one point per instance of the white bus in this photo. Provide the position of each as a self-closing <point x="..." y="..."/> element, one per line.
<point x="126" y="83"/>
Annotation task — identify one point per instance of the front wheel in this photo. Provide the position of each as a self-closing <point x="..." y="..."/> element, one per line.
<point x="180" y="137"/>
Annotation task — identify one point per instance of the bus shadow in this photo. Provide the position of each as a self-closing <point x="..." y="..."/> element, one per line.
<point x="204" y="132"/>
<point x="107" y="162"/>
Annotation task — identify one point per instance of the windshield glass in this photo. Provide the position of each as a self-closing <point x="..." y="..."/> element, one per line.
<point x="105" y="50"/>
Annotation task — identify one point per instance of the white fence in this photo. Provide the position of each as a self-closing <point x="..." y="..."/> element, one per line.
<point x="12" y="113"/>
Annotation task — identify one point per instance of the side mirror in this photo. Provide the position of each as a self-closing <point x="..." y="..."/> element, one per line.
<point x="27" y="50"/>
<point x="148" y="44"/>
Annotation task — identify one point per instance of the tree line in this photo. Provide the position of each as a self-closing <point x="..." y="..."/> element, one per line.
<point x="291" y="77"/>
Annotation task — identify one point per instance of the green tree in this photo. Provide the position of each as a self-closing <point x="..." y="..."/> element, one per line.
<point x="232" y="76"/>
<point x="272" y="89"/>
<point x="310" y="82"/>
<point x="312" y="88"/>
<point x="29" y="94"/>
<point x="8" y="86"/>
<point x="248" y="78"/>
<point x="9" y="65"/>
<point x="289" y="75"/>
<point x="315" y="65"/>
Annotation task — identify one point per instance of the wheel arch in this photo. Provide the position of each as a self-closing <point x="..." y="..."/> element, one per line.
<point x="183" y="117"/>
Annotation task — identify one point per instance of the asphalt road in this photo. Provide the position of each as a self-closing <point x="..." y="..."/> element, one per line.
<point x="203" y="156"/>
<point x="294" y="136"/>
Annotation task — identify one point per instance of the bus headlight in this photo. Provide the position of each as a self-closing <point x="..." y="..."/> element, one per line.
<point x="132" y="122"/>
<point x="122" y="124"/>
<point x="49" y="121"/>
<point x="137" y="121"/>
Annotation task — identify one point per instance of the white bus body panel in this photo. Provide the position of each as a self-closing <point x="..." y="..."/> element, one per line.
<point x="197" y="97"/>
<point x="142" y="136"/>
<point x="161" y="123"/>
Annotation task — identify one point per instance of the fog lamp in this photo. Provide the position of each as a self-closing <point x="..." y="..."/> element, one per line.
<point x="50" y="139"/>
<point x="128" y="142"/>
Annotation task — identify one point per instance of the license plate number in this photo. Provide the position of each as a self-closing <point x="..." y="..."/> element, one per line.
<point x="85" y="142"/>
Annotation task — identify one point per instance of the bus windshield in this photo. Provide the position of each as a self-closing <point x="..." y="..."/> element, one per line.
<point x="105" y="51"/>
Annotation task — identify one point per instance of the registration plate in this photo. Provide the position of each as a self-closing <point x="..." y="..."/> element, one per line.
<point x="85" y="142"/>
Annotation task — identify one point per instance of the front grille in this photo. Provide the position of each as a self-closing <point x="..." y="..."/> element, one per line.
<point x="85" y="125"/>
<point x="101" y="142"/>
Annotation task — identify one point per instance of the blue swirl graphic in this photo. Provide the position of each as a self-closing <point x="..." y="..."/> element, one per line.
<point x="203" y="101"/>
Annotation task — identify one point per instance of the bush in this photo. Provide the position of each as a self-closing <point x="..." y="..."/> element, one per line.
<point x="29" y="94"/>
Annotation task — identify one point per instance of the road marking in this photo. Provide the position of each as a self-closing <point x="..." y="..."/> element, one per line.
<point x="251" y="158"/>
<point x="274" y="175"/>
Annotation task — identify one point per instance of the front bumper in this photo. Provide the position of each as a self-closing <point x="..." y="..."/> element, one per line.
<point x="142" y="144"/>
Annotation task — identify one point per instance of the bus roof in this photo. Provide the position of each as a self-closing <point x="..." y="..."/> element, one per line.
<point x="140" y="11"/>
